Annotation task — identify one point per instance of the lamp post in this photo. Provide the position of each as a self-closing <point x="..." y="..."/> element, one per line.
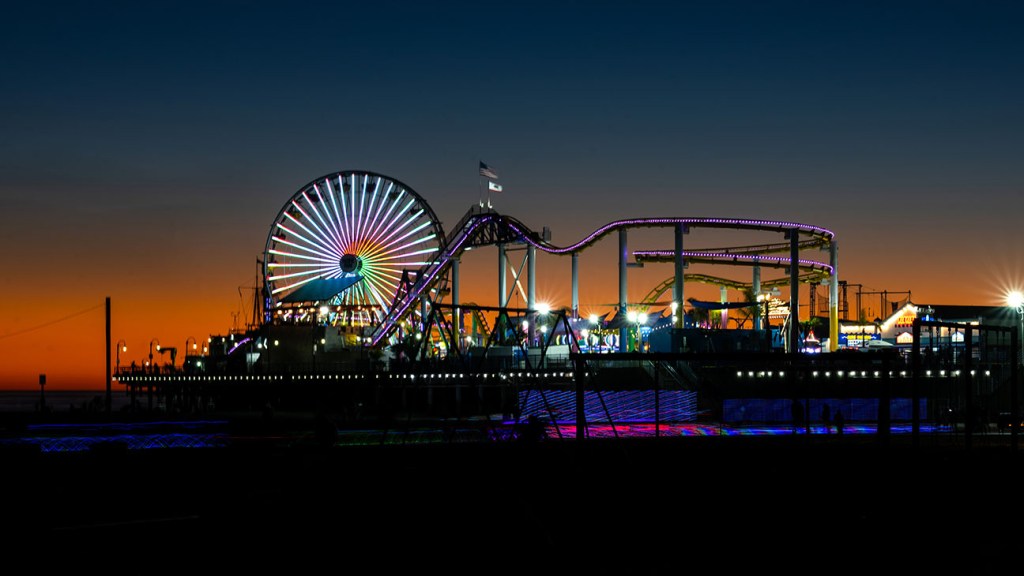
<point x="195" y="346"/>
<point x="151" y="351"/>
<point x="121" y="346"/>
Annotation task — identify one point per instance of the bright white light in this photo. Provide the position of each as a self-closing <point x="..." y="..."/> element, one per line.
<point x="543" y="308"/>
<point x="526" y="325"/>
<point x="642" y="318"/>
<point x="1015" y="299"/>
<point x="631" y="315"/>
<point x="593" y="318"/>
<point x="543" y="329"/>
<point x="323" y="310"/>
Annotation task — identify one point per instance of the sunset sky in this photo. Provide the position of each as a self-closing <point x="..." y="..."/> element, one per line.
<point x="148" y="146"/>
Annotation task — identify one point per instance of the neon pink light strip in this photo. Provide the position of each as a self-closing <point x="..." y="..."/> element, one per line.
<point x="767" y="225"/>
<point x="730" y="256"/>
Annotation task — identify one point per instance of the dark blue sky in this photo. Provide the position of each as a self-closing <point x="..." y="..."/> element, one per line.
<point x="147" y="146"/>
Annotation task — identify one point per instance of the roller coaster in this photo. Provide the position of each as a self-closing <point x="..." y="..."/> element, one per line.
<point x="359" y="250"/>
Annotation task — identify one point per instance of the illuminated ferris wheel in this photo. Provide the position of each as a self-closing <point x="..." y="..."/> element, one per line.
<point x="339" y="246"/>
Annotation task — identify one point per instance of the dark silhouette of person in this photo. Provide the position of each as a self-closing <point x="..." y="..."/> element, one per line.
<point x="839" y="422"/>
<point x="826" y="417"/>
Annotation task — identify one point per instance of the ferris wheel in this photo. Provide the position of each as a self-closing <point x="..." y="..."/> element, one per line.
<point x="341" y="244"/>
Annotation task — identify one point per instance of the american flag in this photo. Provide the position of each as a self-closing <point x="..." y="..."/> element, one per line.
<point x="488" y="172"/>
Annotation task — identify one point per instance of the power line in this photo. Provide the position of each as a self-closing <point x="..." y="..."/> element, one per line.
<point x="51" y="322"/>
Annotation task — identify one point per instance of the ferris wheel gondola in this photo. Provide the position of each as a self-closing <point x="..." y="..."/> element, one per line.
<point x="340" y="246"/>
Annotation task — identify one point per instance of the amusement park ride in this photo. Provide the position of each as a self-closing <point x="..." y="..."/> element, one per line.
<point x="357" y="260"/>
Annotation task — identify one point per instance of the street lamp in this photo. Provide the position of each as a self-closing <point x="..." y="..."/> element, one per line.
<point x="195" y="346"/>
<point x="151" y="350"/>
<point x="121" y="346"/>
<point x="595" y="323"/>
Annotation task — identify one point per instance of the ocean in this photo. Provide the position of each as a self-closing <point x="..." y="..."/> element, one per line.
<point x="25" y="401"/>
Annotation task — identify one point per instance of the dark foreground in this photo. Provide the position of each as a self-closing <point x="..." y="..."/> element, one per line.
<point x="642" y="506"/>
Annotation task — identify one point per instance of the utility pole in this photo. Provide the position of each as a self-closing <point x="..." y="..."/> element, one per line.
<point x="109" y="375"/>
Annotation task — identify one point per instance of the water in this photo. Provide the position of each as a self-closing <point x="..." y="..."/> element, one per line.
<point x="23" y="401"/>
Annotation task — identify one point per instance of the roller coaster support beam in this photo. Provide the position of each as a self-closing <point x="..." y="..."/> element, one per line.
<point x="456" y="315"/>
<point x="623" y="292"/>
<point x="833" y="297"/>
<point x="531" y="287"/>
<point x="794" y="290"/>
<point x="575" y="285"/>
<point x="677" y="289"/>
<point x="502" y="284"/>
<point x="755" y="285"/>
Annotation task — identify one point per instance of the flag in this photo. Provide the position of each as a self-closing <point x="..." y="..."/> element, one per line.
<point x="491" y="186"/>
<point x="488" y="172"/>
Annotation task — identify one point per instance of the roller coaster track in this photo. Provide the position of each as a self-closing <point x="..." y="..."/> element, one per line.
<point x="480" y="227"/>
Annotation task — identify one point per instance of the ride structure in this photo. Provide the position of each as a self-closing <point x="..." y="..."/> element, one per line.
<point x="364" y="254"/>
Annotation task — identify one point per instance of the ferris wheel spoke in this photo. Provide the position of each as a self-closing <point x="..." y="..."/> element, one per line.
<point x="312" y="243"/>
<point x="385" y="257"/>
<point x="326" y="230"/>
<point x="388" y="229"/>
<point x="315" y="274"/>
<point x="325" y="261"/>
<point x="345" y="222"/>
<point x="383" y="280"/>
<point x="276" y="265"/>
<point x="321" y="238"/>
<point x="380" y="205"/>
<point x="382" y="249"/>
<point x="364" y="211"/>
<point x="309" y="248"/>
<point x="405" y="224"/>
<point x="353" y="191"/>
<point x="336" y="219"/>
<point x="373" y="235"/>
<point x="404" y="248"/>
<point x="292" y="285"/>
